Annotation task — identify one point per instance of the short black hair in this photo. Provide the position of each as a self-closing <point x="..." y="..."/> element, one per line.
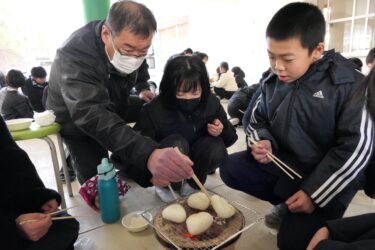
<point x="370" y="56"/>
<point x="224" y="65"/>
<point x="187" y="51"/>
<point x="15" y="78"/>
<point x="356" y="62"/>
<point x="238" y="71"/>
<point x="201" y="55"/>
<point x="131" y="15"/>
<point x="38" y="72"/>
<point x="298" y="20"/>
<point x="188" y="72"/>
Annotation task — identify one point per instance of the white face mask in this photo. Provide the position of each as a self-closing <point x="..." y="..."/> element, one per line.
<point x="123" y="63"/>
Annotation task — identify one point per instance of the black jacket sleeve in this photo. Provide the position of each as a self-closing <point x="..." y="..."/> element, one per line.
<point x="21" y="189"/>
<point x="352" y="228"/>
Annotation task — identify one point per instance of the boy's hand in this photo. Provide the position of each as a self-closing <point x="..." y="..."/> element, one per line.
<point x="300" y="202"/>
<point x="321" y="234"/>
<point x="37" y="229"/>
<point x="50" y="206"/>
<point x="215" y="128"/>
<point x="260" y="150"/>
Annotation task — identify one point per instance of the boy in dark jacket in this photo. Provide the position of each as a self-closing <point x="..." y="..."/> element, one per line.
<point x="34" y="88"/>
<point x="357" y="232"/>
<point x="303" y="115"/>
<point x="15" y="104"/>
<point x="24" y="197"/>
<point x="187" y="115"/>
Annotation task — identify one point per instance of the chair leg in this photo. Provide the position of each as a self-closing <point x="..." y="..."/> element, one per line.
<point x="64" y="165"/>
<point x="55" y="164"/>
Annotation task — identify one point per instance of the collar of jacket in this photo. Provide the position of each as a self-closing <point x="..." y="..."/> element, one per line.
<point x="339" y="68"/>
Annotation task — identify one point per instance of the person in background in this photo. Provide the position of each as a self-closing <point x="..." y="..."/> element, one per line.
<point x="89" y="87"/>
<point x="226" y="85"/>
<point x="239" y="76"/>
<point x="356" y="232"/>
<point x="187" y="52"/>
<point x="306" y="117"/>
<point x="202" y="56"/>
<point x="357" y="63"/>
<point x="34" y="88"/>
<point x="238" y="103"/>
<point x="2" y="80"/>
<point x="15" y="104"/>
<point x="188" y="116"/>
<point x="370" y="58"/>
<point x="24" y="197"/>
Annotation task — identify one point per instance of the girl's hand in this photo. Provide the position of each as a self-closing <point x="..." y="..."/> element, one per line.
<point x="321" y="234"/>
<point x="50" y="206"/>
<point x="34" y="230"/>
<point x="215" y="128"/>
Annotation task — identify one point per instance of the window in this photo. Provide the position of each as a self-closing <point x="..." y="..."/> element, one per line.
<point x="350" y="25"/>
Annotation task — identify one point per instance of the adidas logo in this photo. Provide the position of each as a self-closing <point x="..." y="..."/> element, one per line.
<point x="319" y="94"/>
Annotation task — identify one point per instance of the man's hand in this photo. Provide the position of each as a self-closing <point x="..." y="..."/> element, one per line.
<point x="50" y="206"/>
<point x="146" y="95"/>
<point x="260" y="150"/>
<point x="215" y="128"/>
<point x="166" y="165"/>
<point x="300" y="202"/>
<point x="37" y="229"/>
<point x="321" y="234"/>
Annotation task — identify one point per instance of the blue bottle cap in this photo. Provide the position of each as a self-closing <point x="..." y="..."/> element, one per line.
<point x="106" y="170"/>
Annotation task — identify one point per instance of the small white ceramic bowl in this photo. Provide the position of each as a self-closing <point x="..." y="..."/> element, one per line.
<point x="45" y="118"/>
<point x="18" y="124"/>
<point x="134" y="221"/>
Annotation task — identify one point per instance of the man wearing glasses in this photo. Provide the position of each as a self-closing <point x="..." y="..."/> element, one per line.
<point x="90" y="82"/>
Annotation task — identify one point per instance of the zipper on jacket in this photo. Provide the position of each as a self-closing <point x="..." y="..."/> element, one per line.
<point x="289" y="115"/>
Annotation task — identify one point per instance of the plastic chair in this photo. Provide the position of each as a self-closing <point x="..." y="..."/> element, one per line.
<point x="37" y="132"/>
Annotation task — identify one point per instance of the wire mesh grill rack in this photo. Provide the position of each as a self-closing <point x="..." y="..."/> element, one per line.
<point x="221" y="234"/>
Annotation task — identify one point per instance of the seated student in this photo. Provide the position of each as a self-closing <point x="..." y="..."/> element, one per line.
<point x="15" y="104"/>
<point x="357" y="232"/>
<point x="202" y="56"/>
<point x="226" y="85"/>
<point x="34" y="88"/>
<point x="186" y="114"/>
<point x="303" y="116"/>
<point x="24" y="197"/>
<point x="239" y="76"/>
<point x="239" y="101"/>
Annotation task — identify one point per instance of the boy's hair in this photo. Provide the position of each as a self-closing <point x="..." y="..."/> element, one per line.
<point x="370" y="56"/>
<point x="184" y="73"/>
<point x="298" y="20"/>
<point x="224" y="65"/>
<point x="15" y="78"/>
<point x="38" y="72"/>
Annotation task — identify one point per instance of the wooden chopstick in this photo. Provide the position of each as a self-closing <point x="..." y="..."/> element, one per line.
<point x="172" y="191"/>
<point x="195" y="178"/>
<point x="54" y="218"/>
<point x="274" y="161"/>
<point x="277" y="161"/>
<point x="282" y="163"/>
<point x="61" y="210"/>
